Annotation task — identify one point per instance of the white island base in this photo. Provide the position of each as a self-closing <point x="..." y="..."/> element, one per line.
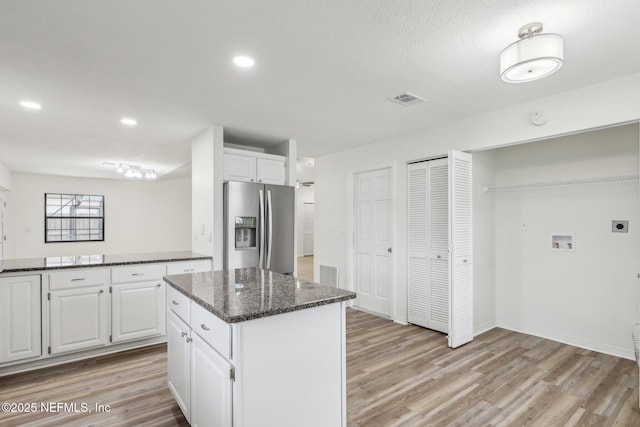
<point x="290" y="369"/>
<point x="282" y="370"/>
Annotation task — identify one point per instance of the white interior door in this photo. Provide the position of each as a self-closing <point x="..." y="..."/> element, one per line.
<point x="428" y="238"/>
<point x="307" y="229"/>
<point x="461" y="250"/>
<point x="373" y="239"/>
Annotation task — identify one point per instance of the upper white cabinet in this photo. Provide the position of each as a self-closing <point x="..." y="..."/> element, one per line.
<point x="250" y="166"/>
<point x="239" y="168"/>
<point x="20" y="318"/>
<point x="78" y="311"/>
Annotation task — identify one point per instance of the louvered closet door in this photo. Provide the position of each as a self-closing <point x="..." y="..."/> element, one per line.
<point x="418" y="268"/>
<point x="461" y="261"/>
<point x="428" y="234"/>
<point x="439" y="245"/>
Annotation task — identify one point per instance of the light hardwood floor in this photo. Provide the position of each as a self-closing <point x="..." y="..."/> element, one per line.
<point x="396" y="376"/>
<point x="305" y="268"/>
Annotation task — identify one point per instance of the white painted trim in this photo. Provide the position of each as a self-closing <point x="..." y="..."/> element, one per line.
<point x="483" y="327"/>
<point x="256" y="154"/>
<point x="625" y="353"/>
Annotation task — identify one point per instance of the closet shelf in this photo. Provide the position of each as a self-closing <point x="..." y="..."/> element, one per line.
<point x="600" y="180"/>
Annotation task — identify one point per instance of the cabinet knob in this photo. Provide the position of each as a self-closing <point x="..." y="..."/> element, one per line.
<point x="204" y="327"/>
<point x="102" y="291"/>
<point x="174" y="303"/>
<point x="252" y="179"/>
<point x="159" y="284"/>
<point x="189" y="339"/>
<point x="183" y="334"/>
<point x="439" y="256"/>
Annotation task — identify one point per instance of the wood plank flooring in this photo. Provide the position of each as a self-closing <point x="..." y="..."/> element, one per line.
<point x="133" y="383"/>
<point x="396" y="376"/>
<point x="407" y="376"/>
<point x="305" y="268"/>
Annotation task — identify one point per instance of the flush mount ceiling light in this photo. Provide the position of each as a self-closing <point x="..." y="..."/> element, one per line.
<point x="128" y="121"/>
<point x="533" y="57"/>
<point x="30" y="105"/>
<point x="244" y="61"/>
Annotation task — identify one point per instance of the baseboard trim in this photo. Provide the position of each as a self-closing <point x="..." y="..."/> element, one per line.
<point x="625" y="353"/>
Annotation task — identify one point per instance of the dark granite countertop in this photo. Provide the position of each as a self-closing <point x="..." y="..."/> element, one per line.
<point x="79" y="261"/>
<point x="250" y="293"/>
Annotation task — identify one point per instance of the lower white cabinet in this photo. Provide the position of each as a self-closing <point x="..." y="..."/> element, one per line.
<point x="137" y="310"/>
<point x="20" y="325"/>
<point x="210" y="386"/>
<point x="78" y="319"/>
<point x="199" y="378"/>
<point x="179" y="362"/>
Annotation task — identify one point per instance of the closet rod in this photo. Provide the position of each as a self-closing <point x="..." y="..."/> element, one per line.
<point x="605" y="179"/>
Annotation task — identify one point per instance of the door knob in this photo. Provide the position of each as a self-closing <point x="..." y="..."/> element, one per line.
<point x="389" y="250"/>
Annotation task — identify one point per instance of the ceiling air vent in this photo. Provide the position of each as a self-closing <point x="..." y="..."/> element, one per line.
<point x="407" y="99"/>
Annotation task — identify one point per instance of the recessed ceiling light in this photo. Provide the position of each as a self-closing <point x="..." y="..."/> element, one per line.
<point x="244" y="61"/>
<point x="127" y="121"/>
<point x="31" y="105"/>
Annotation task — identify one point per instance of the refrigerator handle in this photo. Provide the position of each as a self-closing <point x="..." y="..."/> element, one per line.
<point x="262" y="230"/>
<point x="270" y="217"/>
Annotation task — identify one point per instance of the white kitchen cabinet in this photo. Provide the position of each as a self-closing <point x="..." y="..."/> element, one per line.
<point x="137" y="310"/>
<point x="179" y="362"/>
<point x="251" y="166"/>
<point x="182" y="267"/>
<point x="239" y="168"/>
<point x="211" y="386"/>
<point x="270" y="171"/>
<point x="79" y="319"/>
<point x="138" y="301"/>
<point x="20" y="325"/>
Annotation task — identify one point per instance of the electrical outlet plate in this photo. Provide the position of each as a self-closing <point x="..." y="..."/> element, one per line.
<point x="619" y="226"/>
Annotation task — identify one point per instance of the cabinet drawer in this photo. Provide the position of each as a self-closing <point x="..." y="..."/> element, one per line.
<point x="188" y="266"/>
<point x="79" y="278"/>
<point x="216" y="332"/>
<point x="178" y="303"/>
<point x="137" y="273"/>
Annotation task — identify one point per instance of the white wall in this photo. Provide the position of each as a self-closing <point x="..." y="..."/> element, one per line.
<point x="303" y="195"/>
<point x="603" y="104"/>
<point x="206" y="197"/>
<point x="588" y="297"/>
<point x="5" y="178"/>
<point x="139" y="216"/>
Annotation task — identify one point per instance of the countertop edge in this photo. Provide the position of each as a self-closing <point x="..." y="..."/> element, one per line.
<point x="106" y="264"/>
<point x="252" y="316"/>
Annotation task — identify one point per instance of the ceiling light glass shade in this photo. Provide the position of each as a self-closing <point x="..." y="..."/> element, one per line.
<point x="128" y="121"/>
<point x="31" y="105"/>
<point x="531" y="58"/>
<point x="129" y="173"/>
<point x="244" y="61"/>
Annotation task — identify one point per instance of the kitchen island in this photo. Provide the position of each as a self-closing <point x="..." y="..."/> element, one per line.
<point x="249" y="347"/>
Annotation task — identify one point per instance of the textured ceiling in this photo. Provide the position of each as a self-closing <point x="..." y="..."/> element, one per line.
<point x="324" y="71"/>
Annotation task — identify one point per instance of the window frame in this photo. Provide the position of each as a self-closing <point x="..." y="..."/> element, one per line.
<point x="74" y="195"/>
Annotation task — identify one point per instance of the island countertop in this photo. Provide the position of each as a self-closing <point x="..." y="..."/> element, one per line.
<point x="80" y="261"/>
<point x="250" y="293"/>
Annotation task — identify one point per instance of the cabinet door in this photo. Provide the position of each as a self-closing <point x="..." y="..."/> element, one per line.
<point x="78" y="319"/>
<point x="20" y="326"/>
<point x="270" y="171"/>
<point x="138" y="310"/>
<point x="210" y="386"/>
<point x="239" y="168"/>
<point x="179" y="362"/>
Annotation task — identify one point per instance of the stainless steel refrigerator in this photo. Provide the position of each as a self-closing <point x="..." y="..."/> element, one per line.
<point x="259" y="226"/>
